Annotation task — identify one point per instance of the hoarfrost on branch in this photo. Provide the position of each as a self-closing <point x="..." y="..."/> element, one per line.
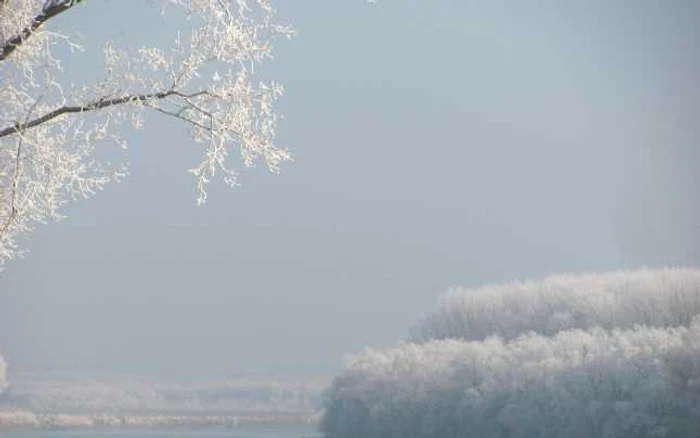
<point x="53" y="136"/>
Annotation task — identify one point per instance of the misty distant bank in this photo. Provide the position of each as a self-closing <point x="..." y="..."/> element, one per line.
<point x="117" y="402"/>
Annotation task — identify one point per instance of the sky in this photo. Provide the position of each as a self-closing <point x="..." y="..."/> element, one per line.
<point x="436" y="143"/>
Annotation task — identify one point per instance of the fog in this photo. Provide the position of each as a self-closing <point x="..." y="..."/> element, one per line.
<point x="436" y="144"/>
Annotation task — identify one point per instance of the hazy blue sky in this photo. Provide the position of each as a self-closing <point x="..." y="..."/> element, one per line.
<point x="437" y="143"/>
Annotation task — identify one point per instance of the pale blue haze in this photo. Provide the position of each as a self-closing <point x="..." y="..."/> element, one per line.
<point x="437" y="143"/>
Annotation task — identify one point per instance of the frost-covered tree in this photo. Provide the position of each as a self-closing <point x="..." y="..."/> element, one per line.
<point x="613" y="355"/>
<point x="596" y="383"/>
<point x="55" y="137"/>
<point x="652" y="297"/>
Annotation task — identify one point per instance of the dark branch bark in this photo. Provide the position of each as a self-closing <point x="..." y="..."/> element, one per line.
<point x="50" y="10"/>
<point x="100" y="104"/>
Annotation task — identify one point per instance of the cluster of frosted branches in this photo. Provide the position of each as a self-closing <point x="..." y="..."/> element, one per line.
<point x="53" y="137"/>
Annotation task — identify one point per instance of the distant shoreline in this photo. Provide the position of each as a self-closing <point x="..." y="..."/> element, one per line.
<point x="23" y="420"/>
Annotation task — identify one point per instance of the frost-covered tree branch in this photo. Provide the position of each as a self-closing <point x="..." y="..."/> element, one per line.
<point x="54" y="138"/>
<point x="50" y="9"/>
<point x="94" y="106"/>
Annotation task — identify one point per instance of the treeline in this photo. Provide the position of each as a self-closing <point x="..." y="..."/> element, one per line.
<point x="654" y="298"/>
<point x="614" y="355"/>
<point x="14" y="420"/>
<point x="113" y="402"/>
